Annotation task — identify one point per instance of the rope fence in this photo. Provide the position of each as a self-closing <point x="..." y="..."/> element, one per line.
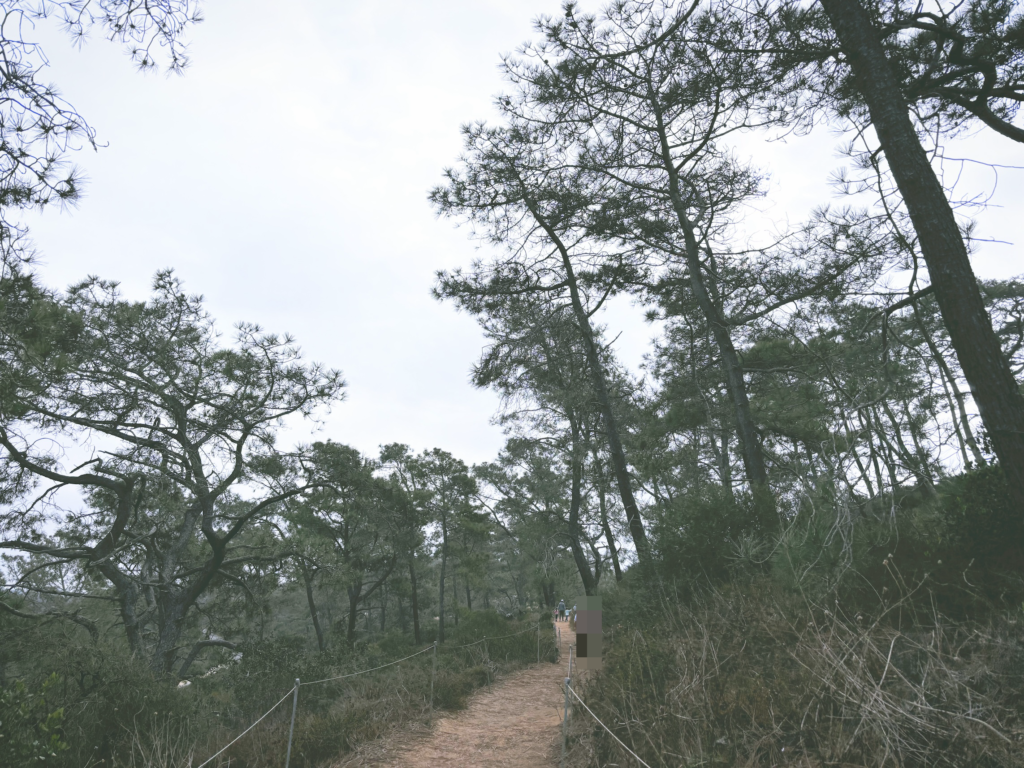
<point x="565" y="724"/>
<point x="293" y="692"/>
<point x="485" y="638"/>
<point x="374" y="669"/>
<point x="214" y="757"/>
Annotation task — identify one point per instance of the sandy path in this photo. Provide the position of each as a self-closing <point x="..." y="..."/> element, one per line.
<point x="514" y="723"/>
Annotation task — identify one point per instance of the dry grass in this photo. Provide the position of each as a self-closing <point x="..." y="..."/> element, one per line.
<point x="159" y="744"/>
<point x="754" y="678"/>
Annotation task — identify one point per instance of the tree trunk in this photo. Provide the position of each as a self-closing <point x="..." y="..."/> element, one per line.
<point x="885" y="449"/>
<point x="963" y="425"/>
<point x="575" y="501"/>
<point x="415" y="603"/>
<point x="852" y="440"/>
<point x="308" y="579"/>
<point x="516" y="584"/>
<point x="469" y="596"/>
<point x="197" y="649"/>
<point x="547" y="590"/>
<point x="354" y="591"/>
<point x="169" y="626"/>
<point x="919" y="450"/>
<point x="956" y="288"/>
<point x="403" y="619"/>
<point x="127" y="596"/>
<point x="725" y="461"/>
<point x="444" y="565"/>
<point x="611" y="424"/>
<point x="750" y="443"/>
<point x="599" y="482"/>
<point x="455" y="596"/>
<point x="865" y="425"/>
<point x="913" y="461"/>
<point x="613" y="549"/>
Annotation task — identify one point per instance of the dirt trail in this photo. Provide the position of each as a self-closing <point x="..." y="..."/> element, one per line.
<point x="514" y="723"/>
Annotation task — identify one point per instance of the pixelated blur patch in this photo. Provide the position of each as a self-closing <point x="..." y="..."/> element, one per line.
<point x="588" y="632"/>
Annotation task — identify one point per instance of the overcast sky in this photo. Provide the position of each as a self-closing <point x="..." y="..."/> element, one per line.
<point x="284" y="177"/>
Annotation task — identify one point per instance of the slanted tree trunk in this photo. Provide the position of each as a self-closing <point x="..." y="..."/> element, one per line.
<point x="852" y="440"/>
<point x="963" y="425"/>
<point x="601" y="394"/>
<point x="602" y="500"/>
<point x="198" y="648"/>
<point x="750" y="443"/>
<point x="956" y="288"/>
<point x="885" y="450"/>
<point x="575" y="501"/>
<point x="912" y="459"/>
<point x="307" y="578"/>
<point x="613" y="549"/>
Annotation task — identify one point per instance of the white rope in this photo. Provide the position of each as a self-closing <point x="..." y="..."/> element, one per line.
<point x="645" y="765"/>
<point x="457" y="647"/>
<point x="282" y="701"/>
<point x="354" y="674"/>
<point x="363" y="672"/>
<point x="502" y="637"/>
<point x="534" y="628"/>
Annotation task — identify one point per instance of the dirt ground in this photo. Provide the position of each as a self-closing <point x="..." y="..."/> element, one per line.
<point x="515" y="723"/>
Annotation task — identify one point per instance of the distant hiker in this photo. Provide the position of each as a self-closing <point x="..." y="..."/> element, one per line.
<point x="561" y="610"/>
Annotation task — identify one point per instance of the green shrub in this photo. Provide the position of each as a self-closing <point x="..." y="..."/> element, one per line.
<point x="697" y="534"/>
<point x="981" y="522"/>
<point x="453" y="687"/>
<point x="30" y="726"/>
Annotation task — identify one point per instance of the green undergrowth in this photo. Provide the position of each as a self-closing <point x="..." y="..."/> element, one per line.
<point x="101" y="713"/>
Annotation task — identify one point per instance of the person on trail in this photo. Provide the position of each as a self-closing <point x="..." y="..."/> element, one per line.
<point x="561" y="610"/>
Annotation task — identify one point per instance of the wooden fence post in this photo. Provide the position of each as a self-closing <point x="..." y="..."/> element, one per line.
<point x="565" y="720"/>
